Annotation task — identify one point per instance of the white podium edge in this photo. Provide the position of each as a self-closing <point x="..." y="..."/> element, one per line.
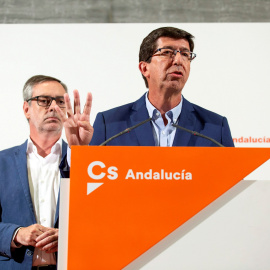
<point x="63" y="224"/>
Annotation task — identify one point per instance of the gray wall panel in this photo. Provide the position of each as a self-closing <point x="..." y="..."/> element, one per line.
<point x="133" y="11"/>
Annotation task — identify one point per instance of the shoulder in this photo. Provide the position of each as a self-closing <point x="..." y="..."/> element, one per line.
<point x="118" y="110"/>
<point x="202" y="113"/>
<point x="13" y="150"/>
<point x="10" y="158"/>
<point x="122" y="112"/>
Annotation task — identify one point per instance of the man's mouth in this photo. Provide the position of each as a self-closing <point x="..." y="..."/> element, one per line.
<point x="176" y="74"/>
<point x="52" y="118"/>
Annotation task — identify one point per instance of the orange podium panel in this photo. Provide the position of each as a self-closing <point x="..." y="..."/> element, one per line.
<point x="123" y="200"/>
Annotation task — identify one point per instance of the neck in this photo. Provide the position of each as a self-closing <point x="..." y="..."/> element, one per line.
<point x="164" y="101"/>
<point x="44" y="143"/>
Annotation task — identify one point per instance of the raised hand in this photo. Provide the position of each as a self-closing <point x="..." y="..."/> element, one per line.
<point x="77" y="125"/>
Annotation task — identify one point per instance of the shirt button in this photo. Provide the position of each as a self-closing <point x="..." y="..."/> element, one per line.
<point x="42" y="201"/>
<point x="163" y="132"/>
<point x="157" y="114"/>
<point x="44" y="219"/>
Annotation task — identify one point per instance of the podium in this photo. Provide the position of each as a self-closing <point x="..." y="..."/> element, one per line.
<point x="126" y="206"/>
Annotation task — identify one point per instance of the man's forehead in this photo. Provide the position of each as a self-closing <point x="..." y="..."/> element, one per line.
<point x="172" y="42"/>
<point x="49" y="88"/>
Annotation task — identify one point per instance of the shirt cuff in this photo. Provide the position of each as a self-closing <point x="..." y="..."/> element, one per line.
<point x="13" y="244"/>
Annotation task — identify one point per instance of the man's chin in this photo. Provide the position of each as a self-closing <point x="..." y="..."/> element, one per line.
<point x="175" y="86"/>
<point x="52" y="126"/>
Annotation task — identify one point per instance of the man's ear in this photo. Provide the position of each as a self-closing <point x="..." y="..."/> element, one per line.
<point x="26" y="110"/>
<point x="144" y="69"/>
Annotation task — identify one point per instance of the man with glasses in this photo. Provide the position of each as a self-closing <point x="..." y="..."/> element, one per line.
<point x="29" y="181"/>
<point x="164" y="60"/>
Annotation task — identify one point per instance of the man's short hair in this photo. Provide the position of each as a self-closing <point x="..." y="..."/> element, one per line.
<point x="28" y="87"/>
<point x="149" y="44"/>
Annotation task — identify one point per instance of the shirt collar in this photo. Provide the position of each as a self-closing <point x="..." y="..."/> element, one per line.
<point x="173" y="114"/>
<point x="56" y="149"/>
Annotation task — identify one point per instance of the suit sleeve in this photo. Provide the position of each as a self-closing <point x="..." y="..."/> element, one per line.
<point x="99" y="130"/>
<point x="6" y="229"/>
<point x="6" y="235"/>
<point x="12" y="209"/>
<point x="226" y="139"/>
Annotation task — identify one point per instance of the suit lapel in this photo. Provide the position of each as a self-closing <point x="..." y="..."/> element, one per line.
<point x="187" y="120"/>
<point x="143" y="133"/>
<point x="21" y="167"/>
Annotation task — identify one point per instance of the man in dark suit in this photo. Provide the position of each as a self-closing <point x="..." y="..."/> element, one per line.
<point x="29" y="181"/>
<point x="164" y="61"/>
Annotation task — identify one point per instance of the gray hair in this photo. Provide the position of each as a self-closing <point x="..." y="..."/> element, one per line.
<point x="28" y="87"/>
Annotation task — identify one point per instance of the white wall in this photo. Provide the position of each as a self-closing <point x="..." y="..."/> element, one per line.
<point x="229" y="76"/>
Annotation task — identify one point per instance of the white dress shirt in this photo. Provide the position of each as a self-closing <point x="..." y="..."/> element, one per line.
<point x="163" y="135"/>
<point x="44" y="179"/>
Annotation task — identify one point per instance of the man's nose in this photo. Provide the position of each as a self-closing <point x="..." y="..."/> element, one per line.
<point x="52" y="105"/>
<point x="177" y="58"/>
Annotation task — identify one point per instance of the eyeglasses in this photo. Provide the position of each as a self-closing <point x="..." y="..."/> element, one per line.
<point x="46" y="101"/>
<point x="170" y="53"/>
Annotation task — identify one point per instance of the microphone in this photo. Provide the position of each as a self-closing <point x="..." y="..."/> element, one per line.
<point x="125" y="131"/>
<point x="195" y="133"/>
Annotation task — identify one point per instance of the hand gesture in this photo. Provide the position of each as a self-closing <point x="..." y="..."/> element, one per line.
<point x="77" y="125"/>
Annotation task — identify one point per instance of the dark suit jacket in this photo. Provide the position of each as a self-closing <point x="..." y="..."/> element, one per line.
<point x="192" y="117"/>
<point x="16" y="208"/>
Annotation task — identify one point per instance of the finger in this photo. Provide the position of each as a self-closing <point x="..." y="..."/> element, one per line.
<point x="68" y="105"/>
<point x="47" y="244"/>
<point x="85" y="125"/>
<point x="87" y="107"/>
<point x="52" y="250"/>
<point x="77" y="103"/>
<point x="50" y="235"/>
<point x="41" y="237"/>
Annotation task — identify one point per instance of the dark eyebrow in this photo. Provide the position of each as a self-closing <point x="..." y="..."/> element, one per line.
<point x="168" y="47"/>
<point x="51" y="96"/>
<point x="173" y="48"/>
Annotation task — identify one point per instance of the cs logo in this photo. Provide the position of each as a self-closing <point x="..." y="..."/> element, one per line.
<point x="111" y="172"/>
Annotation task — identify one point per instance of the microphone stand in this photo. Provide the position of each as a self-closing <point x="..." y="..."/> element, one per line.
<point x="125" y="131"/>
<point x="195" y="133"/>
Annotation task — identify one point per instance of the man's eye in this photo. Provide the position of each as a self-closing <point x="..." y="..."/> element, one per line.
<point x="61" y="101"/>
<point x="167" y="52"/>
<point x="185" y="54"/>
<point x="43" y="100"/>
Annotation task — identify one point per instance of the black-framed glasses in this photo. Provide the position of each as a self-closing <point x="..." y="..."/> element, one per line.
<point x="170" y="53"/>
<point x="46" y="101"/>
